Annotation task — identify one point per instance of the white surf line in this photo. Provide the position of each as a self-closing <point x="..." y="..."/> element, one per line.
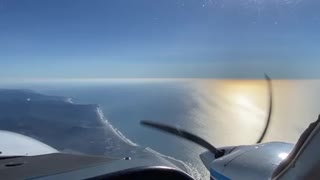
<point x="189" y="167"/>
<point x="115" y="130"/>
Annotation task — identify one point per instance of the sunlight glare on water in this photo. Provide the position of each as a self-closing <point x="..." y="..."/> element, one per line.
<point x="231" y="112"/>
<point x="233" y="109"/>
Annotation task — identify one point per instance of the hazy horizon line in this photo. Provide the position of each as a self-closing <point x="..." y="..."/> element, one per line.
<point x="17" y="80"/>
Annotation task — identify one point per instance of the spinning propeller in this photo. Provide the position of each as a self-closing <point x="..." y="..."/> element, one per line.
<point x="197" y="140"/>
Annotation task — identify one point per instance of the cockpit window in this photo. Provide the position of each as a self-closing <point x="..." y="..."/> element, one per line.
<point x="79" y="76"/>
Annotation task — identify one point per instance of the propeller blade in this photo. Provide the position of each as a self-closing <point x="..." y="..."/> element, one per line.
<point x="197" y="140"/>
<point x="185" y="135"/>
<point x="263" y="134"/>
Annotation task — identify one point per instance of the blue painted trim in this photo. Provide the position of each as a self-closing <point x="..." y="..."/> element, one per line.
<point x="216" y="175"/>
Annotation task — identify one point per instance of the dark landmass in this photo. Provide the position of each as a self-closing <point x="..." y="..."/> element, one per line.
<point x="68" y="127"/>
<point x="56" y="121"/>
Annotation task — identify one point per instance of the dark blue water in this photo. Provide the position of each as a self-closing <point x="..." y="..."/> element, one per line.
<point x="125" y="104"/>
<point x="222" y="114"/>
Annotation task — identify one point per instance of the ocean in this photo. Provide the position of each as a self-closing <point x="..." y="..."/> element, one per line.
<point x="224" y="112"/>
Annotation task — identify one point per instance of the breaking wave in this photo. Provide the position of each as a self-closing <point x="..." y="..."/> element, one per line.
<point x="188" y="167"/>
<point x="115" y="130"/>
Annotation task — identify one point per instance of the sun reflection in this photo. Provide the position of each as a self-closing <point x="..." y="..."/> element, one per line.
<point x="236" y="107"/>
<point x="242" y="100"/>
<point x="233" y="112"/>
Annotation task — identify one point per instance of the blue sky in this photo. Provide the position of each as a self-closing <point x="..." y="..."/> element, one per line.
<point x="159" y="38"/>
